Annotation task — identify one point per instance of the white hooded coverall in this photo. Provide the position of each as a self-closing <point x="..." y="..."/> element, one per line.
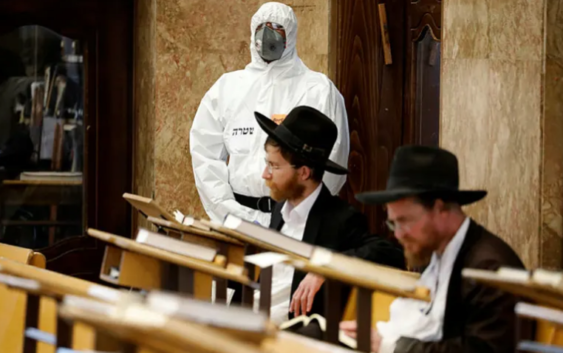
<point x="225" y="126"/>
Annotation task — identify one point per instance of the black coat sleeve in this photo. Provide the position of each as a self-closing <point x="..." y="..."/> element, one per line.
<point x="358" y="242"/>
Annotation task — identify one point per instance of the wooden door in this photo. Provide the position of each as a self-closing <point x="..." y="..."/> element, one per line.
<point x="373" y="93"/>
<point x="422" y="72"/>
<point x="386" y="106"/>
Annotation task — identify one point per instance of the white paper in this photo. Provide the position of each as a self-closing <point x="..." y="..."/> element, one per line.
<point x="539" y="312"/>
<point x="179" y="216"/>
<point x="41" y="336"/>
<point x="164" y="303"/>
<point x="298" y="264"/>
<point x="114" y="272"/>
<point x="103" y="293"/>
<point x="317" y="345"/>
<point x="88" y="304"/>
<point x="142" y="236"/>
<point x="513" y="274"/>
<point x="137" y="314"/>
<point x="121" y="243"/>
<point x="550" y="278"/>
<point x="230" y="293"/>
<point x="68" y="350"/>
<point x="321" y="257"/>
<point x="232" y="222"/>
<point x="18" y="282"/>
<point x="266" y="259"/>
<point x="48" y="137"/>
<point x="188" y="221"/>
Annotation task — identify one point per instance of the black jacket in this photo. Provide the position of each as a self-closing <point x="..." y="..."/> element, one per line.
<point x="334" y="224"/>
<point x="478" y="318"/>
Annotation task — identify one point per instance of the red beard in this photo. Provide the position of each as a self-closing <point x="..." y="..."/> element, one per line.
<point x="287" y="191"/>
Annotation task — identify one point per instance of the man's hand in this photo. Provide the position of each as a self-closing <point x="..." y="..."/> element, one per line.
<point x="350" y="327"/>
<point x="302" y="301"/>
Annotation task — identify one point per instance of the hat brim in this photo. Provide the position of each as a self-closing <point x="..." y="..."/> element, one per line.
<point x="463" y="197"/>
<point x="269" y="128"/>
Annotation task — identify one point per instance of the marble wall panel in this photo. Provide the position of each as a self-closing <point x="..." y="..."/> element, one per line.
<point x="491" y="121"/>
<point x="496" y="29"/>
<point x="144" y="107"/>
<point x="498" y="114"/>
<point x="465" y="29"/>
<point x="515" y="29"/>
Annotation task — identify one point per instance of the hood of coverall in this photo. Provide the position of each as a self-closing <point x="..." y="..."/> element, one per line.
<point x="280" y="14"/>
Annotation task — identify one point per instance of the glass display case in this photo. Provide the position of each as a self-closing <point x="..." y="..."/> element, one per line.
<point x="66" y="127"/>
<point x="41" y="137"/>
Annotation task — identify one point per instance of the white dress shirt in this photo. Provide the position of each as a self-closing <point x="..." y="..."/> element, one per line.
<point x="295" y="219"/>
<point x="417" y="319"/>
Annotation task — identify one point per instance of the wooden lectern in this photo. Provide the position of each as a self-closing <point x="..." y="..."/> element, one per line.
<point x="146" y="267"/>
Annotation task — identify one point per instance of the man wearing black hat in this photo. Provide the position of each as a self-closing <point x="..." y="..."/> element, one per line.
<point x="424" y="210"/>
<point x="297" y="153"/>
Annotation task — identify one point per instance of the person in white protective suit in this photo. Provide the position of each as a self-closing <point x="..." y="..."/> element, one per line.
<point x="226" y="144"/>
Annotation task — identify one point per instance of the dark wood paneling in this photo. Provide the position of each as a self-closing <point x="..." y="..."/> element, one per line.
<point x="373" y="93"/>
<point x="106" y="29"/>
<point x="425" y="12"/>
<point x="74" y="19"/>
<point x="421" y="126"/>
<point x="114" y="145"/>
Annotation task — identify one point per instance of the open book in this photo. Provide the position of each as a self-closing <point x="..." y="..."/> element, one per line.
<point x="303" y="320"/>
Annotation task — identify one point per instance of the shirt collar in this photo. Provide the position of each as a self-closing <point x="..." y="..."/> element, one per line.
<point x="301" y="211"/>
<point x="450" y="253"/>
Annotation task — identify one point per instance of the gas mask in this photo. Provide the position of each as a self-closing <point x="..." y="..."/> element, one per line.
<point x="269" y="44"/>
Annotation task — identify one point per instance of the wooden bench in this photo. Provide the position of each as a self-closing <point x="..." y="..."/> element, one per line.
<point x="137" y="326"/>
<point x="524" y="284"/>
<point x="41" y="305"/>
<point x="382" y="297"/>
<point x="336" y="268"/>
<point x="12" y="304"/>
<point x="141" y="326"/>
<point x="549" y="326"/>
<point x="381" y="280"/>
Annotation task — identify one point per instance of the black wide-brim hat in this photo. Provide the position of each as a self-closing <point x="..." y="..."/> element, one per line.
<point x="308" y="133"/>
<point x="421" y="171"/>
